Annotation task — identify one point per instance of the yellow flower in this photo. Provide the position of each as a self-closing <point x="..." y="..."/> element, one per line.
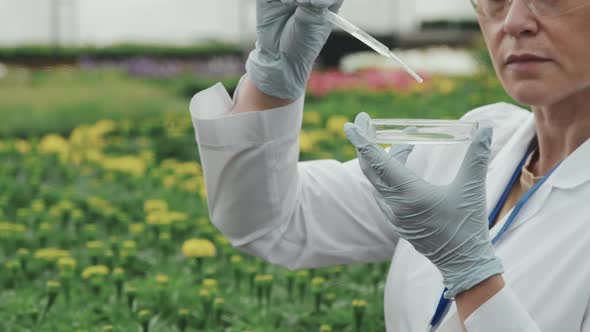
<point x="320" y="135"/>
<point x="162" y="279"/>
<point x="11" y="231"/>
<point x="131" y="165"/>
<point x="89" y="229"/>
<point x="202" y="221"/>
<point x="51" y="254"/>
<point x="209" y="283"/>
<point x="359" y="303"/>
<point x="136" y="228"/>
<point x="144" y="314"/>
<point x="22" y="146"/>
<point x="118" y="273"/>
<point x="317" y="285"/>
<point x="66" y="264"/>
<point x="263" y="279"/>
<point x="130" y="290"/>
<point x="37" y="206"/>
<point x="218" y="303"/>
<point x="183" y="312"/>
<point x="325" y="328"/>
<point x="196" y="248"/>
<point x="77" y="214"/>
<point x="129" y="249"/>
<point x="152" y="205"/>
<point x="203" y="193"/>
<point x="52" y="284"/>
<point x="306" y="143"/>
<point x="445" y="86"/>
<point x="312" y="118"/>
<point x="317" y="281"/>
<point x="54" y="144"/>
<point x="95" y="270"/>
<point x="159" y="218"/>
<point x="94" y="245"/>
<point x="236" y="259"/>
<point x="95" y="248"/>
<point x="191" y="185"/>
<point x="45" y="227"/>
<point x="177" y="216"/>
<point x="170" y="181"/>
<point x="129" y="244"/>
<point x="335" y="125"/>
<point x="23" y="252"/>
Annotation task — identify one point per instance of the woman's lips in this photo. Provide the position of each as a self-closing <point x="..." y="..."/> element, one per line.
<point x="525" y="62"/>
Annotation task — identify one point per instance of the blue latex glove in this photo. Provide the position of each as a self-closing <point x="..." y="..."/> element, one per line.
<point x="447" y="224"/>
<point x="290" y="36"/>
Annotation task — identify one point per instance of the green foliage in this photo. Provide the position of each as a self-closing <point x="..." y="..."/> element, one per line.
<point x="39" y="52"/>
<point x="464" y="24"/>
<point x="480" y="52"/>
<point x="137" y="178"/>
<point x="33" y="103"/>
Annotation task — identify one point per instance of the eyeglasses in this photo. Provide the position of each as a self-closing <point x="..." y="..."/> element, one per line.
<point x="498" y="9"/>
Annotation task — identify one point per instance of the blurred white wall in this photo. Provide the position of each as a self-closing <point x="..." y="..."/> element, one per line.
<point x="187" y="21"/>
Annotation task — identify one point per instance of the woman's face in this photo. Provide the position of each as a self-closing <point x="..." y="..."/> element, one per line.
<point x="563" y="42"/>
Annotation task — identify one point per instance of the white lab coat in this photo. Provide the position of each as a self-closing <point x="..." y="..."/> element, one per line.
<point x="323" y="212"/>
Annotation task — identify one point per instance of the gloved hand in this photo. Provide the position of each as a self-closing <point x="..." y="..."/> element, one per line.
<point x="447" y="224"/>
<point x="290" y="36"/>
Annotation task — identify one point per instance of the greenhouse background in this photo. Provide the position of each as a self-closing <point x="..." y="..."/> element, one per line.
<point x="104" y="223"/>
<point x="75" y="22"/>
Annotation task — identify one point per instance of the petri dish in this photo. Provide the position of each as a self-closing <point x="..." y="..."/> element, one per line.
<point x="421" y="131"/>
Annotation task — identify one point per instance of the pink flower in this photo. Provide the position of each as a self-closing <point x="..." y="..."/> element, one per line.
<point x="322" y="83"/>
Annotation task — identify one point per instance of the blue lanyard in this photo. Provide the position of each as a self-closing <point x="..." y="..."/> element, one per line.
<point x="444" y="304"/>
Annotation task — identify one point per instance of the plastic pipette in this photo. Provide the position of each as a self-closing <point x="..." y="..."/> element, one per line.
<point x="368" y="40"/>
<point x="364" y="37"/>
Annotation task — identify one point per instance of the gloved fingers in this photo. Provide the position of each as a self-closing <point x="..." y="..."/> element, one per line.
<point x="271" y="17"/>
<point x="362" y="122"/>
<point x="316" y="6"/>
<point x="304" y="37"/>
<point x="474" y="168"/>
<point x="402" y="151"/>
<point x="336" y="6"/>
<point x="390" y="171"/>
<point x="319" y="4"/>
<point x="311" y="16"/>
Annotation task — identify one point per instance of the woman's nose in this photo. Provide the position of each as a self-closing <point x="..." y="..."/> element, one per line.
<point x="520" y="19"/>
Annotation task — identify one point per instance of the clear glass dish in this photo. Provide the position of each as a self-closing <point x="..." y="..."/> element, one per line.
<point x="420" y="131"/>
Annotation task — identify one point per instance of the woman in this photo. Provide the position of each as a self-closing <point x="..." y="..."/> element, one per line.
<point x="427" y="209"/>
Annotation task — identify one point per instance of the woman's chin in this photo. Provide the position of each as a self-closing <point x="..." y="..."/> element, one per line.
<point x="531" y="94"/>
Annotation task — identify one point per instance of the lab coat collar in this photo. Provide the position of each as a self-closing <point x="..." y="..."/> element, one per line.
<point x="573" y="171"/>
<point x="502" y="167"/>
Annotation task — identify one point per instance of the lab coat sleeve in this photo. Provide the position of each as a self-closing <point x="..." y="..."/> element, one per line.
<point x="268" y="204"/>
<point x="503" y="312"/>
